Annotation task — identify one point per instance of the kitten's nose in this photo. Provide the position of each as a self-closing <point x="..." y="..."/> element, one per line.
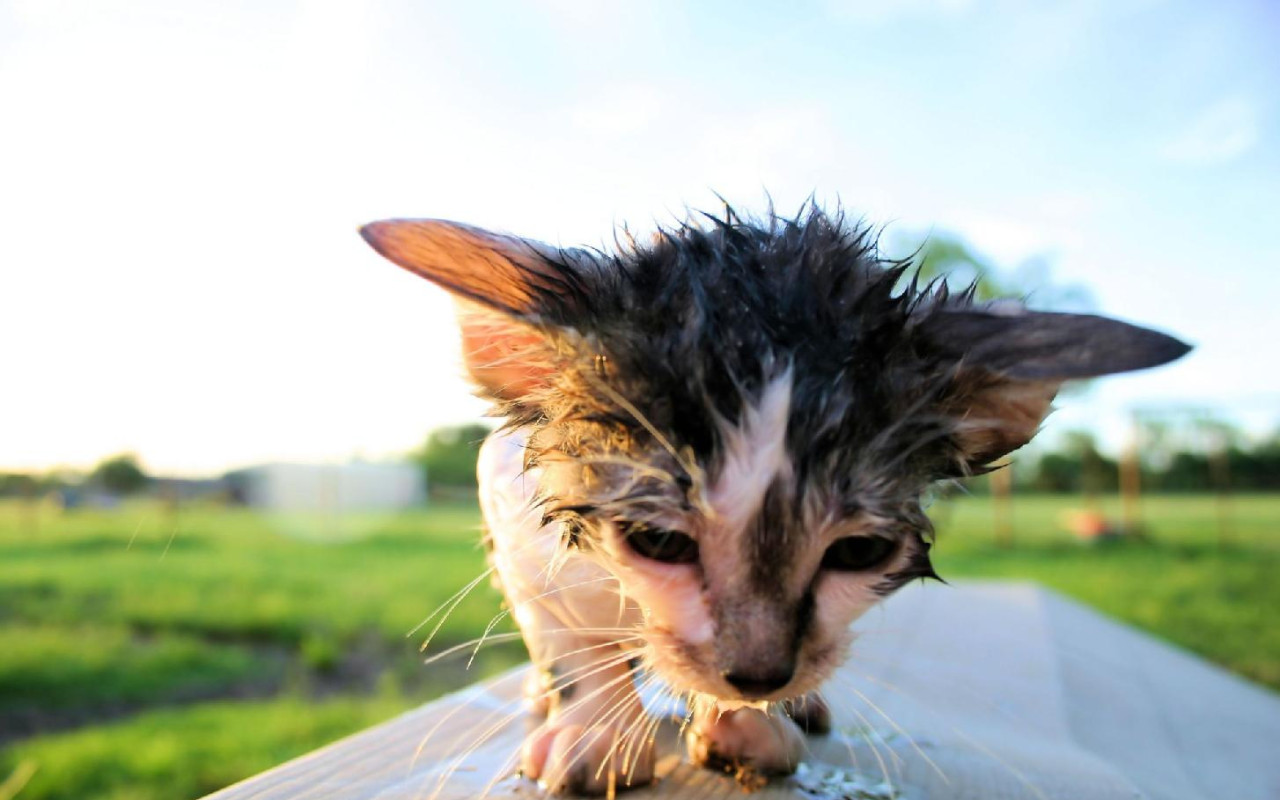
<point x="758" y="684"/>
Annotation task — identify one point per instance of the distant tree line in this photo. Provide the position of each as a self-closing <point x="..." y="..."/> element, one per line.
<point x="448" y="456"/>
<point x="117" y="475"/>
<point x="1077" y="466"/>
<point x="448" y="459"/>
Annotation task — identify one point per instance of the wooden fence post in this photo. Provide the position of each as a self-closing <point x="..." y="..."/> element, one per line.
<point x="1001" y="483"/>
<point x="1131" y="482"/>
<point x="1220" y="474"/>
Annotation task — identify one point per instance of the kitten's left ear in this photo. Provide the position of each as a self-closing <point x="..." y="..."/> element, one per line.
<point x="512" y="291"/>
<point x="1010" y="365"/>
<point x="519" y="277"/>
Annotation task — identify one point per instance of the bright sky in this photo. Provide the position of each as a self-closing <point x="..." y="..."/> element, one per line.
<point x="180" y="185"/>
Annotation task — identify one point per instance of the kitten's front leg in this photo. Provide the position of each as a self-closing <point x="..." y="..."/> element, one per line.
<point x="575" y="627"/>
<point x="595" y="732"/>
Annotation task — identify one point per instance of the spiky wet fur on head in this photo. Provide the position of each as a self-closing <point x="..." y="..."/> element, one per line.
<point x="766" y="386"/>
<point x="659" y="350"/>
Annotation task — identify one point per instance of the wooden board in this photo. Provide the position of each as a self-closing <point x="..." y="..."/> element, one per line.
<point x="982" y="691"/>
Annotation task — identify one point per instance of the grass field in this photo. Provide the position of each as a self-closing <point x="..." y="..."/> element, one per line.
<point x="147" y="653"/>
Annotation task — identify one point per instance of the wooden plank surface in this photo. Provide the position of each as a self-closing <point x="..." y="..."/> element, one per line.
<point x="982" y="691"/>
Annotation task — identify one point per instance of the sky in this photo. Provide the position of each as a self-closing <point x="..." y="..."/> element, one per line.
<point x="180" y="186"/>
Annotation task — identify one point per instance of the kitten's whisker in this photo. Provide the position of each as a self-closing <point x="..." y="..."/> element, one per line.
<point x="779" y="708"/>
<point x="642" y="719"/>
<point x="488" y="629"/>
<point x="559" y="688"/>
<point x="456" y="596"/>
<point x="496" y="638"/>
<point x="648" y="740"/>
<point x="494" y="730"/>
<point x="623" y="654"/>
<point x="985" y="699"/>
<point x="853" y="753"/>
<point x="902" y="732"/>
<point x="466" y="590"/>
<point x="616" y="701"/>
<point x="539" y="600"/>
<point x="636" y="737"/>
<point x="968" y="738"/>
<point x="458" y="758"/>
<point x="557" y="611"/>
<point x="566" y="587"/>
<point x="514" y="674"/>
<point x="510" y="717"/>
<point x="687" y="695"/>
<point x="612" y="707"/>
<point x="1014" y="771"/>
<point x="505" y="612"/>
<point x="622" y="736"/>
<point x="776" y="721"/>
<point x="640" y="736"/>
<point x="577" y="703"/>
<point x="610" y="643"/>
<point x="505" y="768"/>
<point x="869" y="735"/>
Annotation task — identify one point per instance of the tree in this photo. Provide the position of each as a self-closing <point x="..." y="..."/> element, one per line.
<point x="18" y="484"/>
<point x="944" y="255"/>
<point x="449" y="455"/>
<point x="120" y="475"/>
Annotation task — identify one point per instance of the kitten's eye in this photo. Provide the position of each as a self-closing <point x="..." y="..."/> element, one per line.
<point x="657" y="544"/>
<point x="858" y="553"/>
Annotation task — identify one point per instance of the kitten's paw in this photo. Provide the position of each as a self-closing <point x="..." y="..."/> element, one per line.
<point x="811" y="713"/>
<point x="745" y="742"/>
<point x="569" y="759"/>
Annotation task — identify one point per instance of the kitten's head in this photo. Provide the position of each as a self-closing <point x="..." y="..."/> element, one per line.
<point x="739" y="420"/>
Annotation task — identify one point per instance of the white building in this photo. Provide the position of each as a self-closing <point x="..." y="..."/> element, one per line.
<point x="332" y="488"/>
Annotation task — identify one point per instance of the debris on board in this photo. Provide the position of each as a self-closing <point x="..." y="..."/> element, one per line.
<point x="824" y="782"/>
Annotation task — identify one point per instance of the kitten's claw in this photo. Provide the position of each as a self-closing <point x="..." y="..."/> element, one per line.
<point x="571" y="759"/>
<point x="746" y="742"/>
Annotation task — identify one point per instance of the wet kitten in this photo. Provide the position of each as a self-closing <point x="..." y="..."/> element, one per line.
<point x="713" y="459"/>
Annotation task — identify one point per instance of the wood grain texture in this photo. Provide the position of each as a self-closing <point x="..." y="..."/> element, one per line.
<point x="995" y="690"/>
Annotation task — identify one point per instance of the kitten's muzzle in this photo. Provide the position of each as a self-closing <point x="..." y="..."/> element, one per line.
<point x="757" y="685"/>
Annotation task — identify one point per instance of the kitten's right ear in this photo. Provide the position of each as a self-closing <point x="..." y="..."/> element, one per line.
<point x="1010" y="363"/>
<point x="510" y="289"/>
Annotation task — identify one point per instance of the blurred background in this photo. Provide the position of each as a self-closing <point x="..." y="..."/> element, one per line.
<point x="236" y="451"/>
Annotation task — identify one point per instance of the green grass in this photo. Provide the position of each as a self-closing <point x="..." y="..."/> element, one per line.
<point x="1214" y="598"/>
<point x="100" y="667"/>
<point x="233" y="574"/>
<point x="187" y="752"/>
<point x="103" y="613"/>
<point x="130" y="611"/>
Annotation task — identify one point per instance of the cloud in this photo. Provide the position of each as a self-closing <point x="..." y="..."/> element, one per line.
<point x="1222" y="132"/>
<point x="1006" y="239"/>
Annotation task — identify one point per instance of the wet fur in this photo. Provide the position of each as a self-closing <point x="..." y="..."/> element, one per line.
<point x="767" y="386"/>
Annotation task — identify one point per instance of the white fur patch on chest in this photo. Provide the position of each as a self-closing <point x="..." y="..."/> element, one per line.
<point x="755" y="455"/>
